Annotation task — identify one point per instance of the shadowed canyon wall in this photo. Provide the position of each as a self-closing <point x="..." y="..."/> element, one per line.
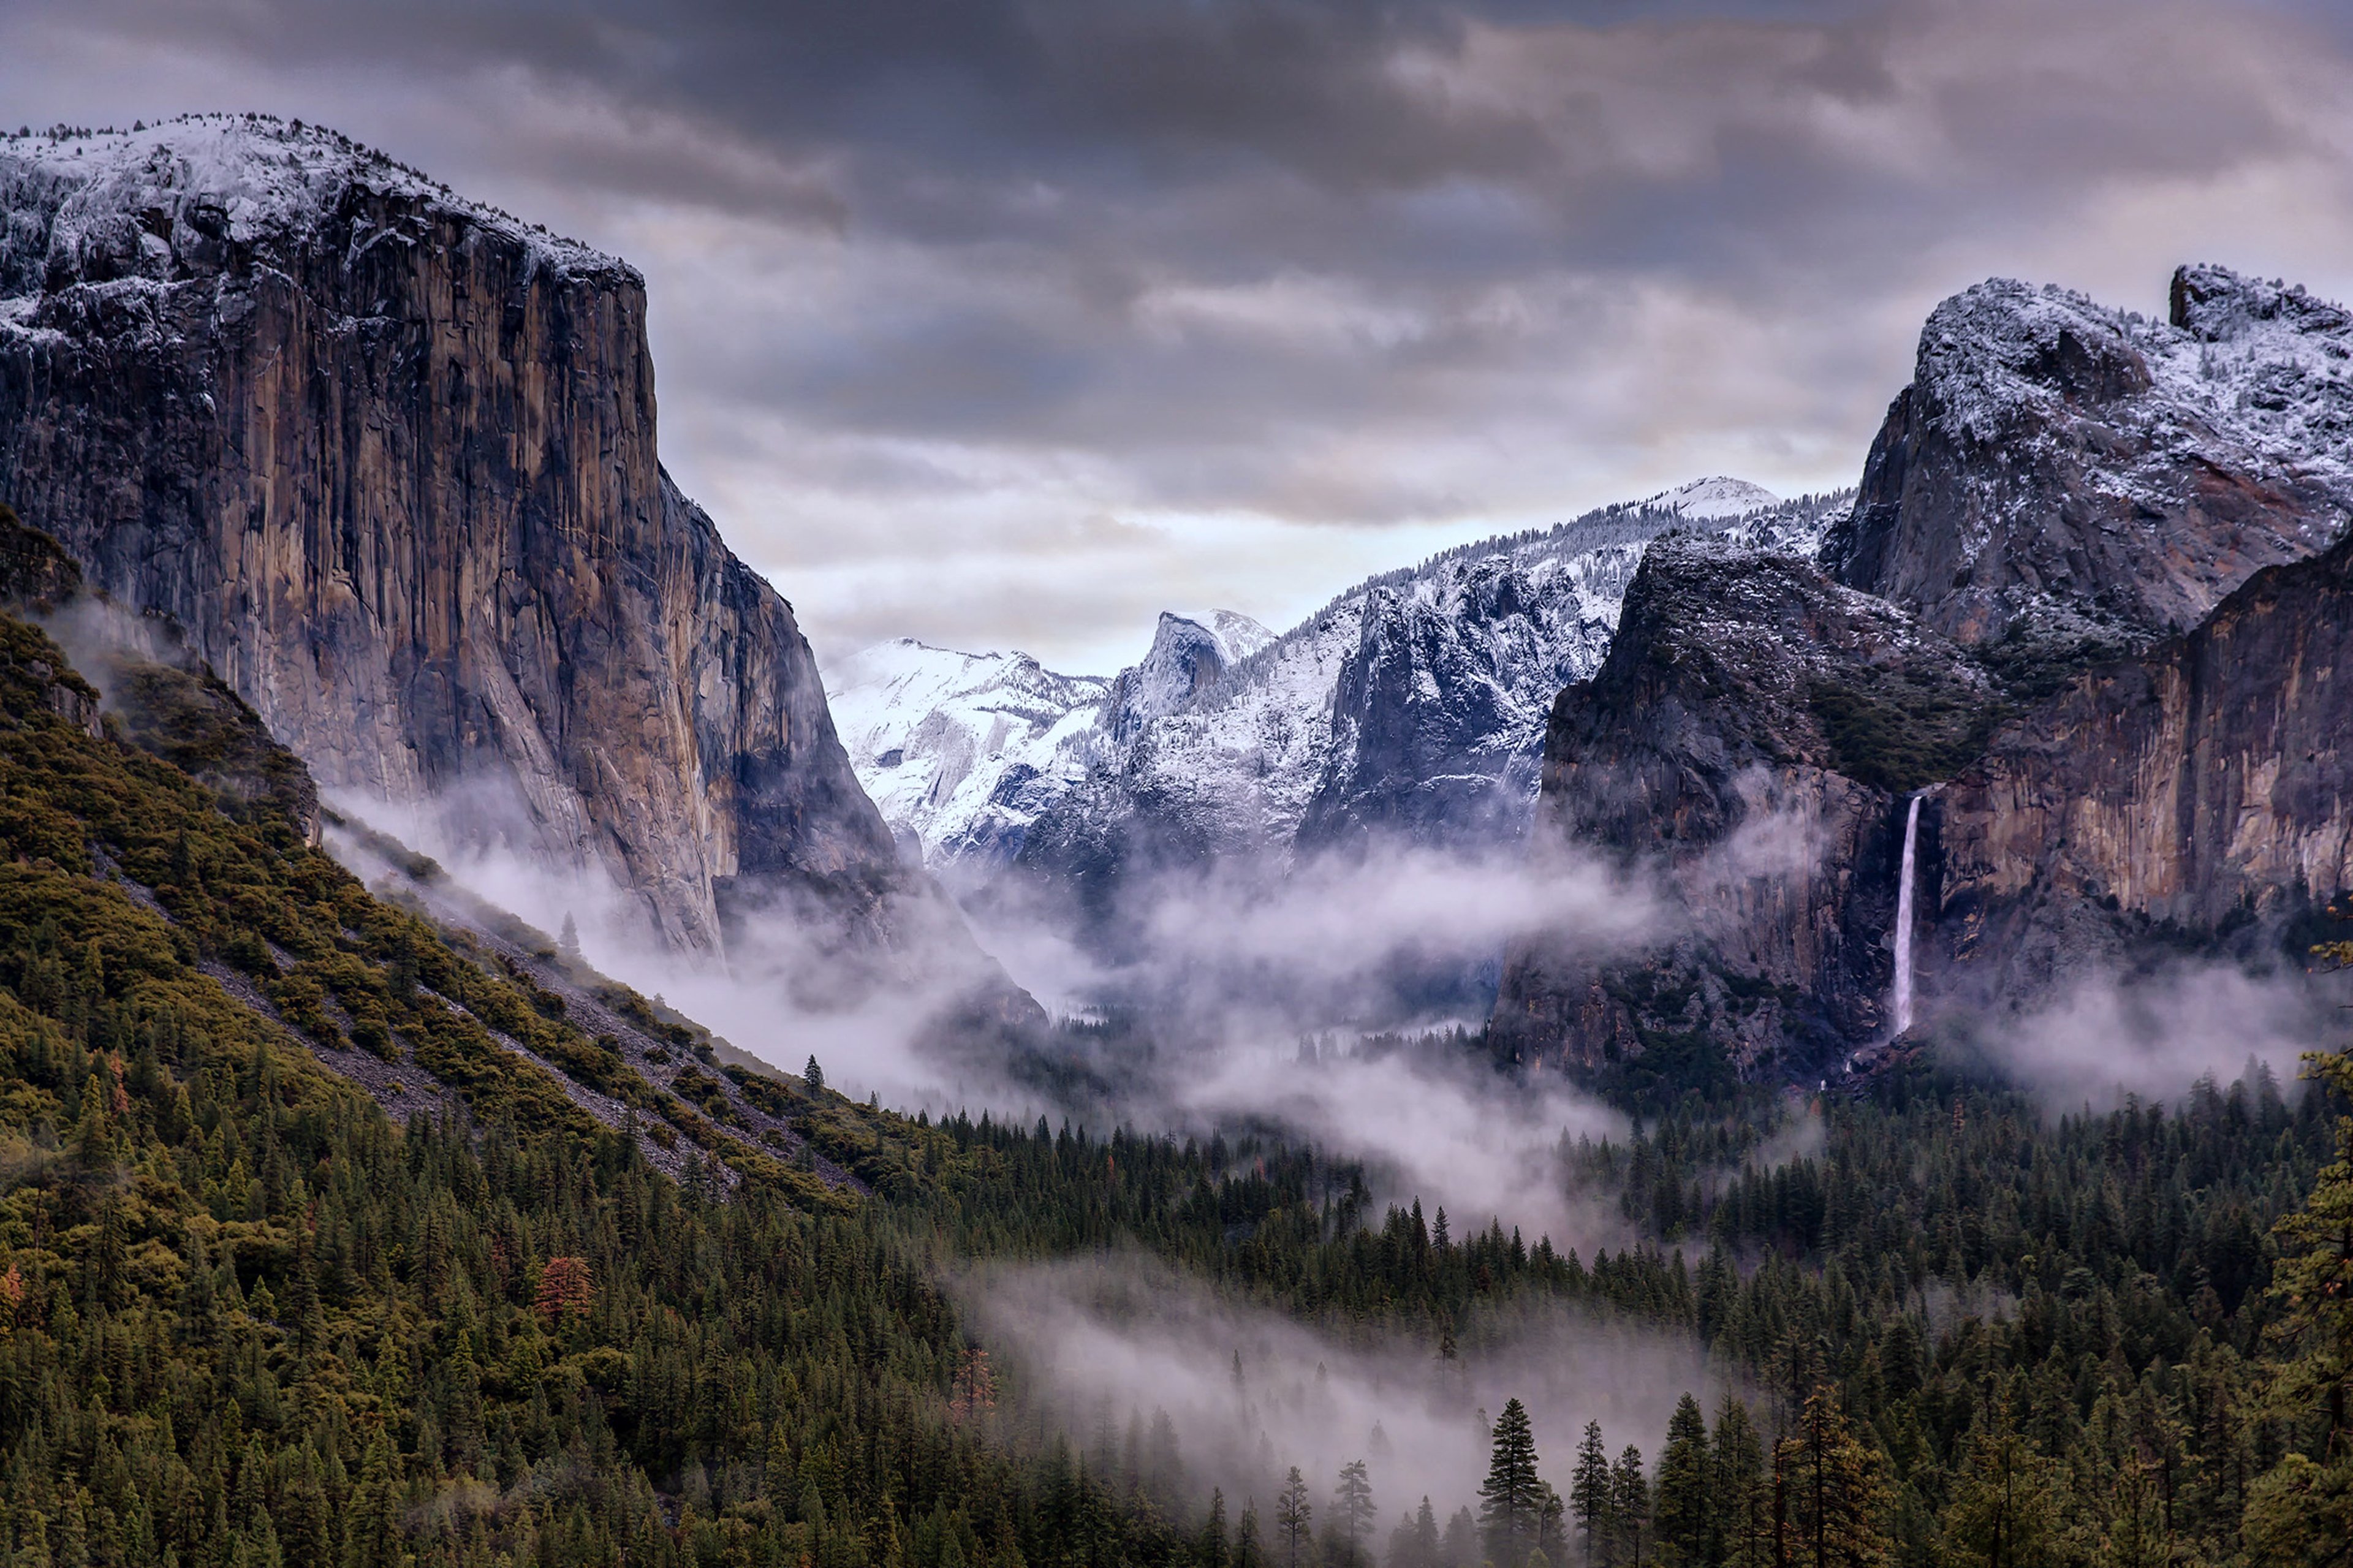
<point x="388" y="458"/>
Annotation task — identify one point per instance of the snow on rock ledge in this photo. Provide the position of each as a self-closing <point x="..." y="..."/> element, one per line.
<point x="2064" y="481"/>
<point x="1414" y="703"/>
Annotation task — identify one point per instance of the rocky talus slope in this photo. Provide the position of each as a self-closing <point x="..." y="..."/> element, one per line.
<point x="387" y="459"/>
<point x="2089" y="600"/>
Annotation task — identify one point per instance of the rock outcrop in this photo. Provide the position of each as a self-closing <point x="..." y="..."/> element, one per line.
<point x="387" y="459"/>
<point x="2202" y="789"/>
<point x="2063" y="482"/>
<point x="2079" y="595"/>
<point x="1746" y="742"/>
<point x="158" y="696"/>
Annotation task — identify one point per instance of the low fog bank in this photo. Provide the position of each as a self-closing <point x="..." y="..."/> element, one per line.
<point x="1428" y="1121"/>
<point x="1384" y="935"/>
<point x="2152" y="1037"/>
<point x="1108" y="1343"/>
<point x="1337" y="1000"/>
<point x="1242" y="1016"/>
<point x="786" y="991"/>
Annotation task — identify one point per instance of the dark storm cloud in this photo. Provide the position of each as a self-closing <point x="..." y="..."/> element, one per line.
<point x="967" y="278"/>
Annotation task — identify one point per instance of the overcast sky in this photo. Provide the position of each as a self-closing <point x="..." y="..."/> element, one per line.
<point x="1008" y="322"/>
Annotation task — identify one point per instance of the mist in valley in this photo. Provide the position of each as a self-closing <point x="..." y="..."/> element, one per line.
<point x="1274" y="1007"/>
<point x="1108" y="1344"/>
<point x="2109" y="1037"/>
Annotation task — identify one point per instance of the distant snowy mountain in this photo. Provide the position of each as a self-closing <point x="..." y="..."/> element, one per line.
<point x="961" y="750"/>
<point x="1413" y="705"/>
<point x="1714" y="501"/>
<point x="1415" y="702"/>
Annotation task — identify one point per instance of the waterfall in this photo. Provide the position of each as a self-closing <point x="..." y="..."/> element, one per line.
<point x="1902" y="1004"/>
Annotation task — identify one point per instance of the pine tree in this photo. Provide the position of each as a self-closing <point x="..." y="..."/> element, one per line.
<point x="1459" y="1549"/>
<point x="1629" y="1507"/>
<point x="1210" y="1552"/>
<point x="1831" y="1491"/>
<point x="2002" y="1513"/>
<point x="1589" y="1496"/>
<point x="568" y="944"/>
<point x="813" y="1076"/>
<point x="1682" y="1507"/>
<point x="1247" y="1551"/>
<point x="2305" y="1502"/>
<point x="1293" y="1515"/>
<point x="1352" y="1510"/>
<point x="1740" y="1529"/>
<point x="1512" y="1499"/>
<point x="2136" y="1536"/>
<point x="1415" y="1542"/>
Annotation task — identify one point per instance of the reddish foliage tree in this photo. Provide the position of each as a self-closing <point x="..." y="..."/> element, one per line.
<point x="564" y="1289"/>
<point x="973" y="1394"/>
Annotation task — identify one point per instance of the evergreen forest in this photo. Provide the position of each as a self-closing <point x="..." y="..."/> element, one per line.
<point x="249" y="1318"/>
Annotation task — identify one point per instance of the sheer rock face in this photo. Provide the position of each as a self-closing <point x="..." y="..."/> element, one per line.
<point x="2063" y="481"/>
<point x="2205" y="787"/>
<point x="389" y="460"/>
<point x="1736" y="744"/>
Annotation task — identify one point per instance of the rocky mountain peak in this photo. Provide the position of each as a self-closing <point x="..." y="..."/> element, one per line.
<point x="1188" y="653"/>
<point x="2215" y="304"/>
<point x="2063" y="481"/>
<point x="1715" y="497"/>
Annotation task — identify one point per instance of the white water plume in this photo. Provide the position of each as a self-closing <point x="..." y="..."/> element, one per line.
<point x="1900" y="1004"/>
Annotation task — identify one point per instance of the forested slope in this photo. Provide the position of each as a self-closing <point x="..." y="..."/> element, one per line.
<point x="447" y="1305"/>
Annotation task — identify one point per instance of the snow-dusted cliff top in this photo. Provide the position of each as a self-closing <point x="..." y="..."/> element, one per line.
<point x="108" y="204"/>
<point x="2255" y="366"/>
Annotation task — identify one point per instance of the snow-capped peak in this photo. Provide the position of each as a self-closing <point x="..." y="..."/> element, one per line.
<point x="1716" y="498"/>
<point x="101" y="206"/>
<point x="1237" y="637"/>
<point x="2263" y="368"/>
<point x="961" y="750"/>
<point x="1224" y="720"/>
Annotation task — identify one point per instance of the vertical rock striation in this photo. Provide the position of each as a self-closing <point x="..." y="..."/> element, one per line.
<point x="389" y="460"/>
<point x="2204" y="787"/>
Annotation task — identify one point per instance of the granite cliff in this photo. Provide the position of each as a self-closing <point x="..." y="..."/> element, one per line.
<point x="1745" y="742"/>
<point x="2200" y="791"/>
<point x="2090" y="600"/>
<point x="2063" y="482"/>
<point x="386" y="458"/>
